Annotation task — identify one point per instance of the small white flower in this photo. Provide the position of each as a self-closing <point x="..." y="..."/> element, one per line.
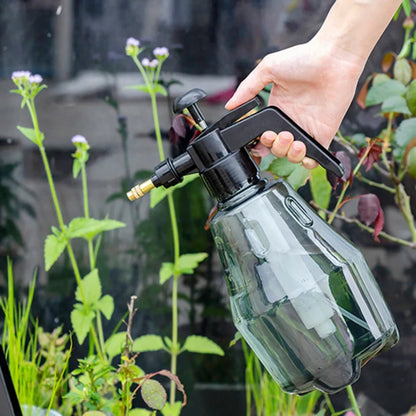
<point x="161" y="52"/>
<point x="79" y="139"/>
<point x="132" y="42"/>
<point x="35" y="79"/>
<point x="147" y="63"/>
<point x="20" y="75"/>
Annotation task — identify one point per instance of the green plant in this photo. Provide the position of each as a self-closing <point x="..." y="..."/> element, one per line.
<point x="37" y="360"/>
<point x="264" y="397"/>
<point x="182" y="263"/>
<point x="100" y="387"/>
<point x="86" y="316"/>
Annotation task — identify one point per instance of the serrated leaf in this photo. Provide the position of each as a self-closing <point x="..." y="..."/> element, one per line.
<point x="88" y="228"/>
<point x="320" y="187"/>
<point x="202" y="345"/>
<point x="165" y="272"/>
<point x="81" y="322"/>
<point x="30" y="134"/>
<point x="106" y="306"/>
<point x="115" y="344"/>
<point x="91" y="287"/>
<point x="153" y="394"/>
<point x="54" y="247"/>
<point x="148" y="343"/>
<point x="378" y="93"/>
<point x="187" y="263"/>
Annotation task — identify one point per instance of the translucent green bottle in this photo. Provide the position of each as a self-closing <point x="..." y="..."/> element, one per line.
<point x="301" y="295"/>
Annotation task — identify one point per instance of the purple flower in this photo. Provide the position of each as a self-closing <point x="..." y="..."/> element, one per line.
<point x="35" y="79"/>
<point x="132" y="47"/>
<point x="161" y="52"/>
<point x="79" y="139"/>
<point x="20" y="75"/>
<point x="132" y="42"/>
<point x="147" y="63"/>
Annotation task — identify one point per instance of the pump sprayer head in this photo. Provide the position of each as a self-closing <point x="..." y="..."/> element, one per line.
<point x="219" y="154"/>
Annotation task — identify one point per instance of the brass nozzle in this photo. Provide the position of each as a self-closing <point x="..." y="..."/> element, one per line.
<point x="139" y="190"/>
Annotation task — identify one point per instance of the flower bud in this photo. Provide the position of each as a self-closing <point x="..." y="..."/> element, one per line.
<point x="132" y="47"/>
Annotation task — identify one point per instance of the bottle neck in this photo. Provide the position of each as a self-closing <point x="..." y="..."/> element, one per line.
<point x="243" y="195"/>
<point x="230" y="175"/>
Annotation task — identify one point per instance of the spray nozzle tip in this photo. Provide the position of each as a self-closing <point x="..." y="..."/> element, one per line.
<point x="139" y="190"/>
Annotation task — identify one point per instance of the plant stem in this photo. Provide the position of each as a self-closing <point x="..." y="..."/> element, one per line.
<point x="176" y="247"/>
<point x="32" y="110"/>
<point x="87" y="213"/>
<point x="353" y="400"/>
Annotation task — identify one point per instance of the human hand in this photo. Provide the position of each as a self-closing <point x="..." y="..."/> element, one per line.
<point x="313" y="84"/>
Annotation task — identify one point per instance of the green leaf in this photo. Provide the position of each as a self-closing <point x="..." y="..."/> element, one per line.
<point x="402" y="71"/>
<point x="81" y="322"/>
<point x="166" y="272"/>
<point x="142" y="87"/>
<point x="140" y="412"/>
<point x="106" y="306"/>
<point x="91" y="287"/>
<point x="298" y="177"/>
<point x="157" y="195"/>
<point x="148" y="343"/>
<point x="358" y="139"/>
<point x="88" y="228"/>
<point x="31" y="134"/>
<point x="320" y="187"/>
<point x="187" y="263"/>
<point x="411" y="162"/>
<point x="405" y="133"/>
<point x="54" y="247"/>
<point x="411" y="97"/>
<point x="76" y="168"/>
<point x="281" y="167"/>
<point x="160" y="89"/>
<point x="202" y="345"/>
<point x="172" y="410"/>
<point x="395" y="104"/>
<point x="94" y="413"/>
<point x="115" y="344"/>
<point x="377" y="94"/>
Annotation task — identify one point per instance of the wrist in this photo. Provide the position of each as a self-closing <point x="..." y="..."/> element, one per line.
<point x="353" y="27"/>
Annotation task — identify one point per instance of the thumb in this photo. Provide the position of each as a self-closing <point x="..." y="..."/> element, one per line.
<point x="251" y="85"/>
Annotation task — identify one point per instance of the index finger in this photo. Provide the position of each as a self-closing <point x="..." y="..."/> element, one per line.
<point x="251" y="85"/>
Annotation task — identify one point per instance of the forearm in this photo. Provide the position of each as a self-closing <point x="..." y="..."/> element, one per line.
<point x="353" y="27"/>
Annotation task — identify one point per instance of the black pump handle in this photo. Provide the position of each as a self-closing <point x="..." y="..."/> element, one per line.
<point x="244" y="131"/>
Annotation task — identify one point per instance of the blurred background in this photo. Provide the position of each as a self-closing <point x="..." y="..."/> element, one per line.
<point x="78" y="48"/>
